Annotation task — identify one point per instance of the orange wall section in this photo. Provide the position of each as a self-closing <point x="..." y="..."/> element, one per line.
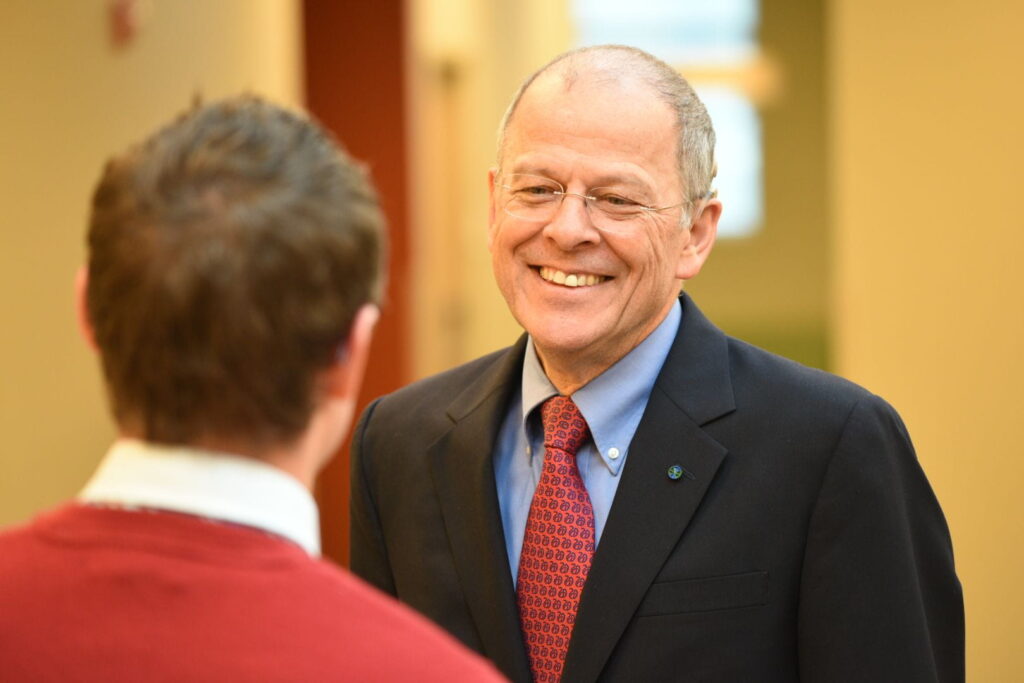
<point x="355" y="85"/>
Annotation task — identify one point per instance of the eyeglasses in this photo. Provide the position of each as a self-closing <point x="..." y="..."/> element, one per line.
<point x="536" y="198"/>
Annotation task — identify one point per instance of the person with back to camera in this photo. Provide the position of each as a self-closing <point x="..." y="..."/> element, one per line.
<point x="234" y="262"/>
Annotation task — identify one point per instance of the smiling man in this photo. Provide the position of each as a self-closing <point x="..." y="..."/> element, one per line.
<point x="627" y="493"/>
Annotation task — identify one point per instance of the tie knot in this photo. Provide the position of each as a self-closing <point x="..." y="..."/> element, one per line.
<point x="564" y="426"/>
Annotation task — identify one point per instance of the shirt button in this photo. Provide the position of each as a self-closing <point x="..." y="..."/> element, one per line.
<point x="613" y="453"/>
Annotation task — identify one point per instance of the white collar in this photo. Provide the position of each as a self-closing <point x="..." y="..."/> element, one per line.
<point x="219" y="486"/>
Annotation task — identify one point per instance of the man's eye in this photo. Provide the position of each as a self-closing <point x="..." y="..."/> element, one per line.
<point x="615" y="201"/>
<point x="538" y="189"/>
<point x="536" y="192"/>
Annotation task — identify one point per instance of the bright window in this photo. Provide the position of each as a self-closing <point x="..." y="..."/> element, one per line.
<point x="714" y="44"/>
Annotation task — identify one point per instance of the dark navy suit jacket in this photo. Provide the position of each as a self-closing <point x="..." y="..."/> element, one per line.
<point x="803" y="544"/>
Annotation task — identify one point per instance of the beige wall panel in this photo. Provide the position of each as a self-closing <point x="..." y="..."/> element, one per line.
<point x="68" y="100"/>
<point x="770" y="288"/>
<point x="928" y="143"/>
<point x="467" y="58"/>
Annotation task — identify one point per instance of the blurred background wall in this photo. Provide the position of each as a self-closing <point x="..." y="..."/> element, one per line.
<point x="883" y="248"/>
<point x="927" y="136"/>
<point x="70" y="98"/>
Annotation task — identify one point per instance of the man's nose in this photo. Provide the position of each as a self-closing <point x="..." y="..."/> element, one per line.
<point x="572" y="223"/>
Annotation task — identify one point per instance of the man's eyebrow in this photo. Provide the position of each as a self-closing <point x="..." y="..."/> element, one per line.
<point x="606" y="179"/>
<point x="617" y="179"/>
<point x="535" y="169"/>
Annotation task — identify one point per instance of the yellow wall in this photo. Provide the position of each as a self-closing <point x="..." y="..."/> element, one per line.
<point x="928" y="140"/>
<point x="68" y="100"/>
<point x="466" y="60"/>
<point x="770" y="289"/>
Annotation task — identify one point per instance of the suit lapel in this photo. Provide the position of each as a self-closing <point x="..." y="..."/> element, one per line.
<point x="463" y="473"/>
<point x="651" y="511"/>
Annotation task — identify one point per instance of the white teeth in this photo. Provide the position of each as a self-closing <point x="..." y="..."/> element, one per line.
<point x="572" y="279"/>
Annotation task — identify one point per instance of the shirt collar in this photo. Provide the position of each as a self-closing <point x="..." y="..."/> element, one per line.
<point x="219" y="486"/>
<point x="613" y="402"/>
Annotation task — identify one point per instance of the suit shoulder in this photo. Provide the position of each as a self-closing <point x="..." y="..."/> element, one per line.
<point x="810" y="415"/>
<point x="425" y="402"/>
<point x="431" y="390"/>
<point x="749" y="362"/>
<point x="786" y="390"/>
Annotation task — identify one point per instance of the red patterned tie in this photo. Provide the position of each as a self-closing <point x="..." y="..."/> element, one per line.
<point x="558" y="544"/>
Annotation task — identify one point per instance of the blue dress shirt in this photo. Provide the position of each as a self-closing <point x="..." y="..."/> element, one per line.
<point x="612" y="404"/>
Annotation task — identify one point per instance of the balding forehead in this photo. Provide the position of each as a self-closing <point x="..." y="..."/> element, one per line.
<point x="598" y="78"/>
<point x="596" y="66"/>
<point x="603" y="65"/>
<point x="551" y="88"/>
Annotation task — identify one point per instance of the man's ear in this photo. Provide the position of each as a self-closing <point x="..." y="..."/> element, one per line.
<point x="82" y="307"/>
<point x="701" y="238"/>
<point x="491" y="213"/>
<point x="345" y="376"/>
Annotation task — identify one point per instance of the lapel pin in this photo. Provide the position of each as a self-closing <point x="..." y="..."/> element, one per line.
<point x="676" y="472"/>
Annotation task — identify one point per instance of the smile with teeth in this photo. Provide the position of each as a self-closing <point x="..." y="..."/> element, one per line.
<point x="572" y="279"/>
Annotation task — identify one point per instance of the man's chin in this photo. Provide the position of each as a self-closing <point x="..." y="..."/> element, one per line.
<point x="576" y="341"/>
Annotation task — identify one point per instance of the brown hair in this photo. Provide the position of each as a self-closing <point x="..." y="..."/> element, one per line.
<point x="228" y="255"/>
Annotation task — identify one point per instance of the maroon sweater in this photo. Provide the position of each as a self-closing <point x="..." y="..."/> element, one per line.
<point x="94" y="594"/>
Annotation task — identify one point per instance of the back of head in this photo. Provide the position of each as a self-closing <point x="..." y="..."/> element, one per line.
<point x="696" y="136"/>
<point x="227" y="257"/>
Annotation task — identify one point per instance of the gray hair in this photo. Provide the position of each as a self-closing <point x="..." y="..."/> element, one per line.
<point x="696" y="142"/>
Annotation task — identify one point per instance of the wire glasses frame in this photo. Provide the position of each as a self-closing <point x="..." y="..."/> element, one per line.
<point x="536" y="198"/>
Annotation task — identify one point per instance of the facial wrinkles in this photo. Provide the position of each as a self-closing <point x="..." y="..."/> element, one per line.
<point x="603" y="351"/>
<point x="572" y="139"/>
<point x="582" y="177"/>
<point x="588" y="296"/>
<point x="580" y="172"/>
<point x="555" y="264"/>
<point x="636" y="297"/>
